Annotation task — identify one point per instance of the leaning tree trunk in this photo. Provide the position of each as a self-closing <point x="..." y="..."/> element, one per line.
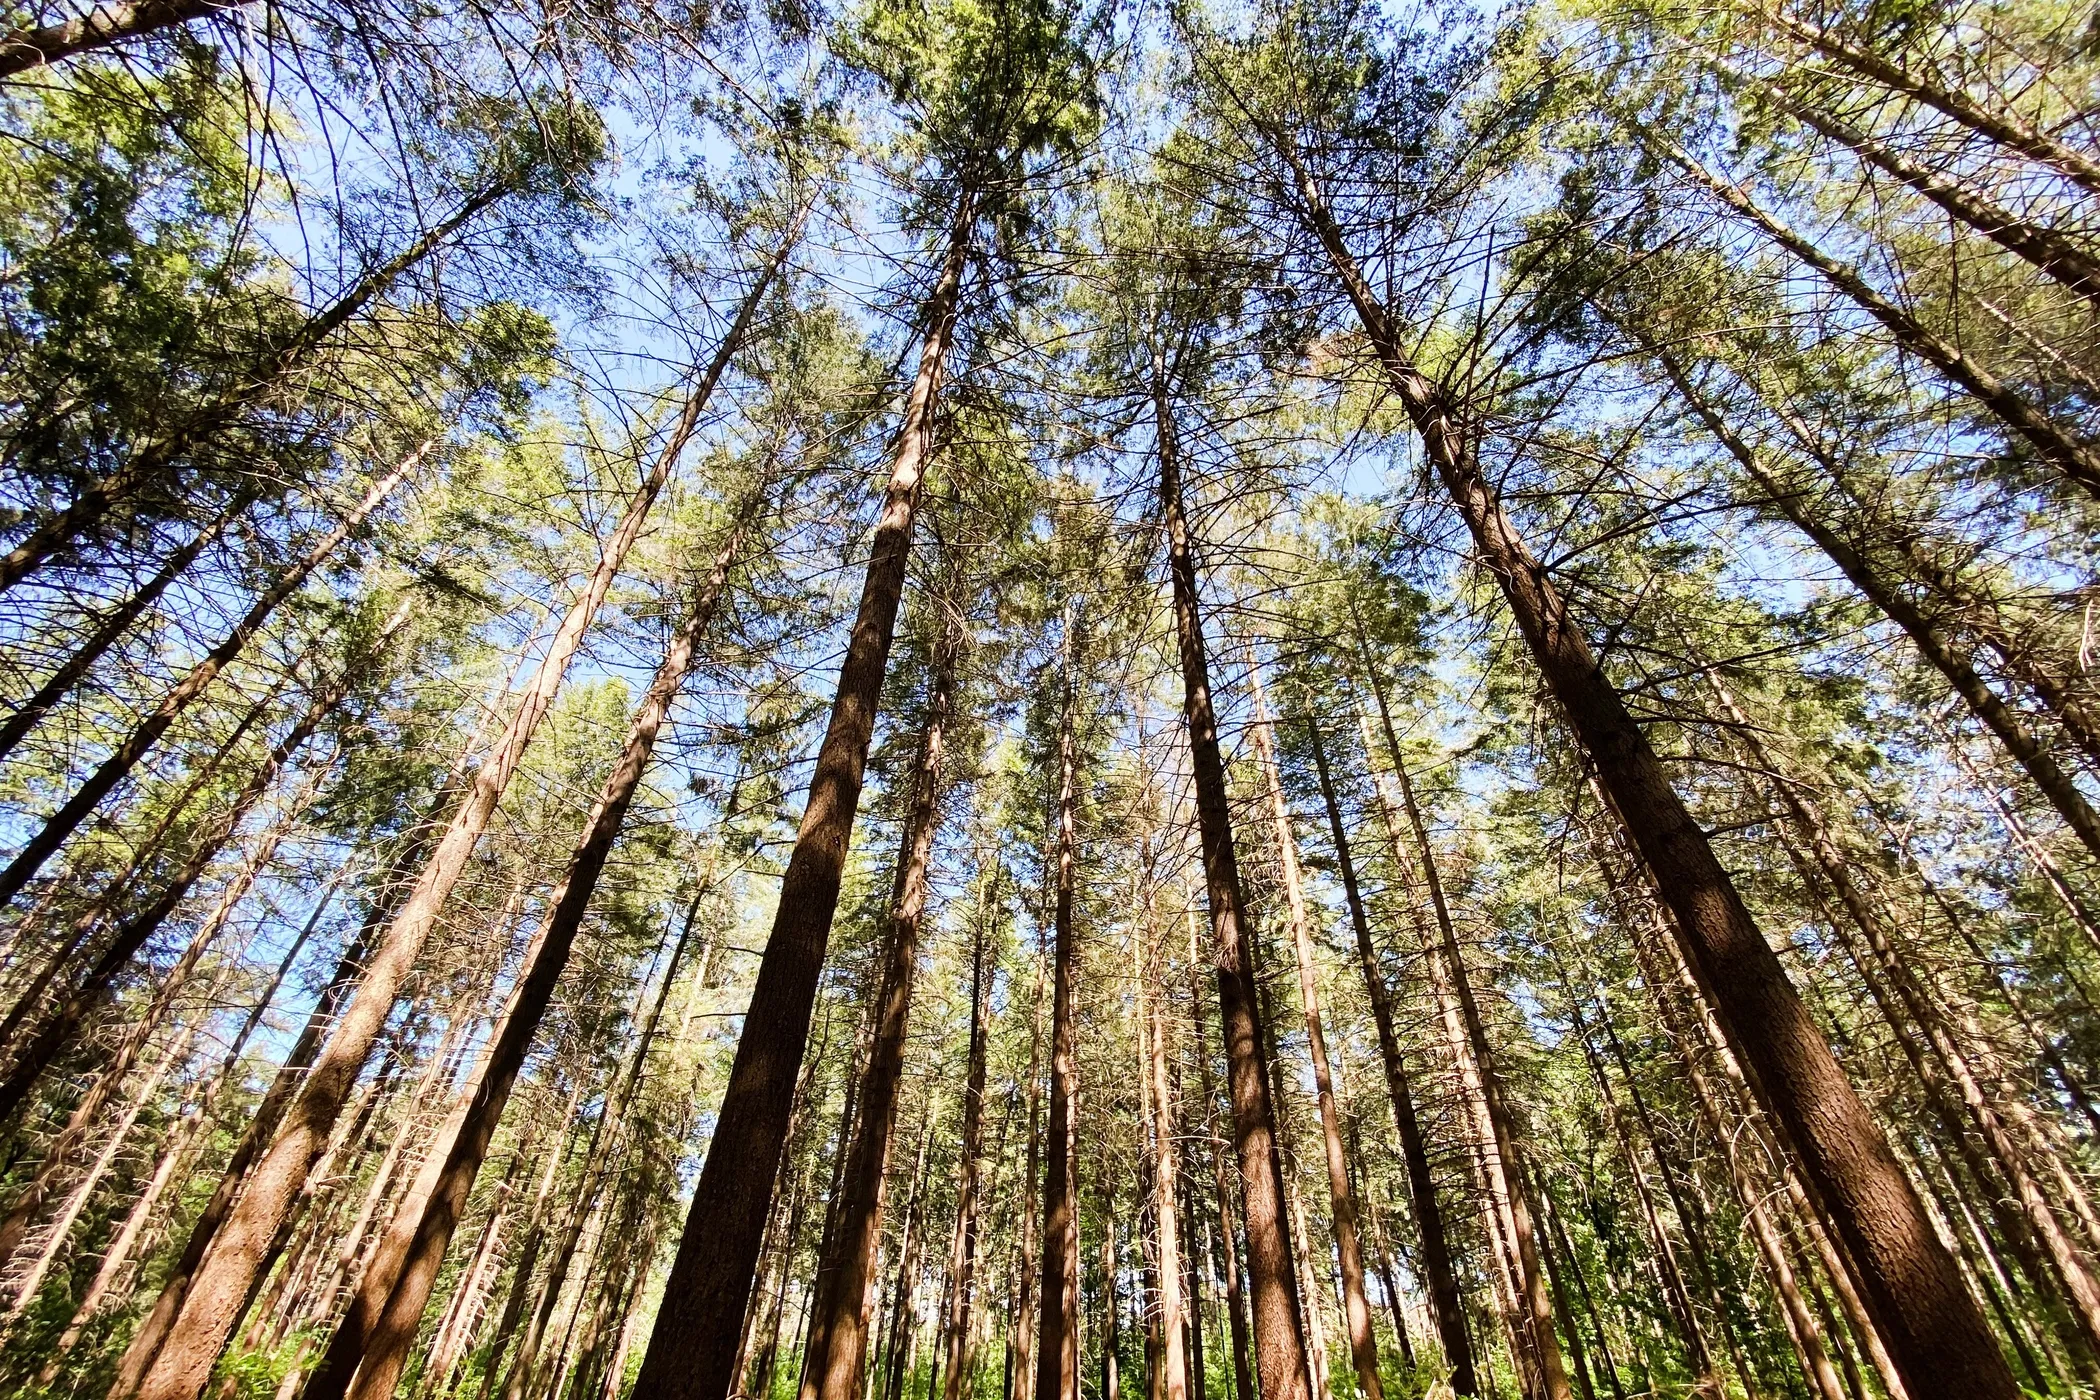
<point x="841" y="1307"/>
<point x="692" y="1351"/>
<point x="2077" y="458"/>
<point x="147" y="732"/>
<point x="1279" y="1343"/>
<point x="1446" y="1305"/>
<point x="211" y="1307"/>
<point x="1356" y="1302"/>
<point x="112" y="625"/>
<point x="1915" y="1292"/>
<point x="1057" y="1344"/>
<point x="372" y="1340"/>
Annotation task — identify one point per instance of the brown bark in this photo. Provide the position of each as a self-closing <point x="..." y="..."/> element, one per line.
<point x="209" y="1310"/>
<point x="1914" y="1288"/>
<point x="962" y="1262"/>
<point x="29" y="48"/>
<point x="148" y="731"/>
<point x="692" y="1352"/>
<point x="1279" y="1343"/>
<point x="372" y="1340"/>
<point x="1020" y="1369"/>
<point x="842" y="1305"/>
<point x="2007" y="130"/>
<point x="1170" y="1364"/>
<point x="1505" y="1160"/>
<point x="1228" y="1231"/>
<point x="1356" y="1303"/>
<point x="2048" y="251"/>
<point x="1057" y="1344"/>
<point x="1446" y="1305"/>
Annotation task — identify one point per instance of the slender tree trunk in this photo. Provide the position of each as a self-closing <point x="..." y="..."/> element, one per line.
<point x="1914" y="1288"/>
<point x="1057" y="1347"/>
<point x="840" y="1308"/>
<point x="2058" y="445"/>
<point x="147" y="732"/>
<point x="2000" y="718"/>
<point x="207" y="1313"/>
<point x="1446" y="1305"/>
<point x="372" y="1340"/>
<point x="1356" y="1303"/>
<point x="1279" y="1342"/>
<point x="2007" y="130"/>
<point x="962" y="1263"/>
<point x="1506" y="1163"/>
<point x="692" y="1352"/>
<point x="1020" y="1371"/>
<point x="156" y="459"/>
<point x="113" y="624"/>
<point x="1170" y="1364"/>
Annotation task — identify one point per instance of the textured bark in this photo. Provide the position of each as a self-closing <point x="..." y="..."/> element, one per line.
<point x="1446" y="1305"/>
<point x="1913" y="1286"/>
<point x="1280" y="1351"/>
<point x="372" y="1340"/>
<point x="106" y="24"/>
<point x="1057" y="1343"/>
<point x="1228" y="1231"/>
<point x="148" y="731"/>
<point x="962" y="1262"/>
<point x="209" y="1311"/>
<point x="1356" y="1301"/>
<point x="692" y="1352"/>
<point x="842" y="1304"/>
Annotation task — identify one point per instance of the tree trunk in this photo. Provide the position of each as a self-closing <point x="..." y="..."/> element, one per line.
<point x="692" y="1351"/>
<point x="1446" y="1305"/>
<point x="1914" y="1288"/>
<point x="1279" y="1342"/>
<point x="841" y="1307"/>
<point x="1020" y="1371"/>
<point x="1356" y="1303"/>
<point x="1057" y="1345"/>
<point x="1505" y="1165"/>
<point x="2058" y="445"/>
<point x="1170" y="1364"/>
<point x="372" y="1340"/>
<point x="962" y="1263"/>
<point x="147" y="732"/>
<point x="207" y="1313"/>
<point x="1228" y="1230"/>
<point x="113" y="624"/>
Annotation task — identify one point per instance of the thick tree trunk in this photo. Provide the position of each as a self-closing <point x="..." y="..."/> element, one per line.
<point x="842" y="1305"/>
<point x="1279" y="1342"/>
<point x="692" y="1352"/>
<point x="372" y="1340"/>
<point x="1057" y="1344"/>
<point x="147" y="732"/>
<point x="962" y="1263"/>
<point x="1446" y="1305"/>
<point x="1228" y="1230"/>
<point x="1914" y="1288"/>
<point x="1356" y="1302"/>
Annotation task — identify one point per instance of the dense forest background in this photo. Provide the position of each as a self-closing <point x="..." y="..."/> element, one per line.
<point x="982" y="699"/>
